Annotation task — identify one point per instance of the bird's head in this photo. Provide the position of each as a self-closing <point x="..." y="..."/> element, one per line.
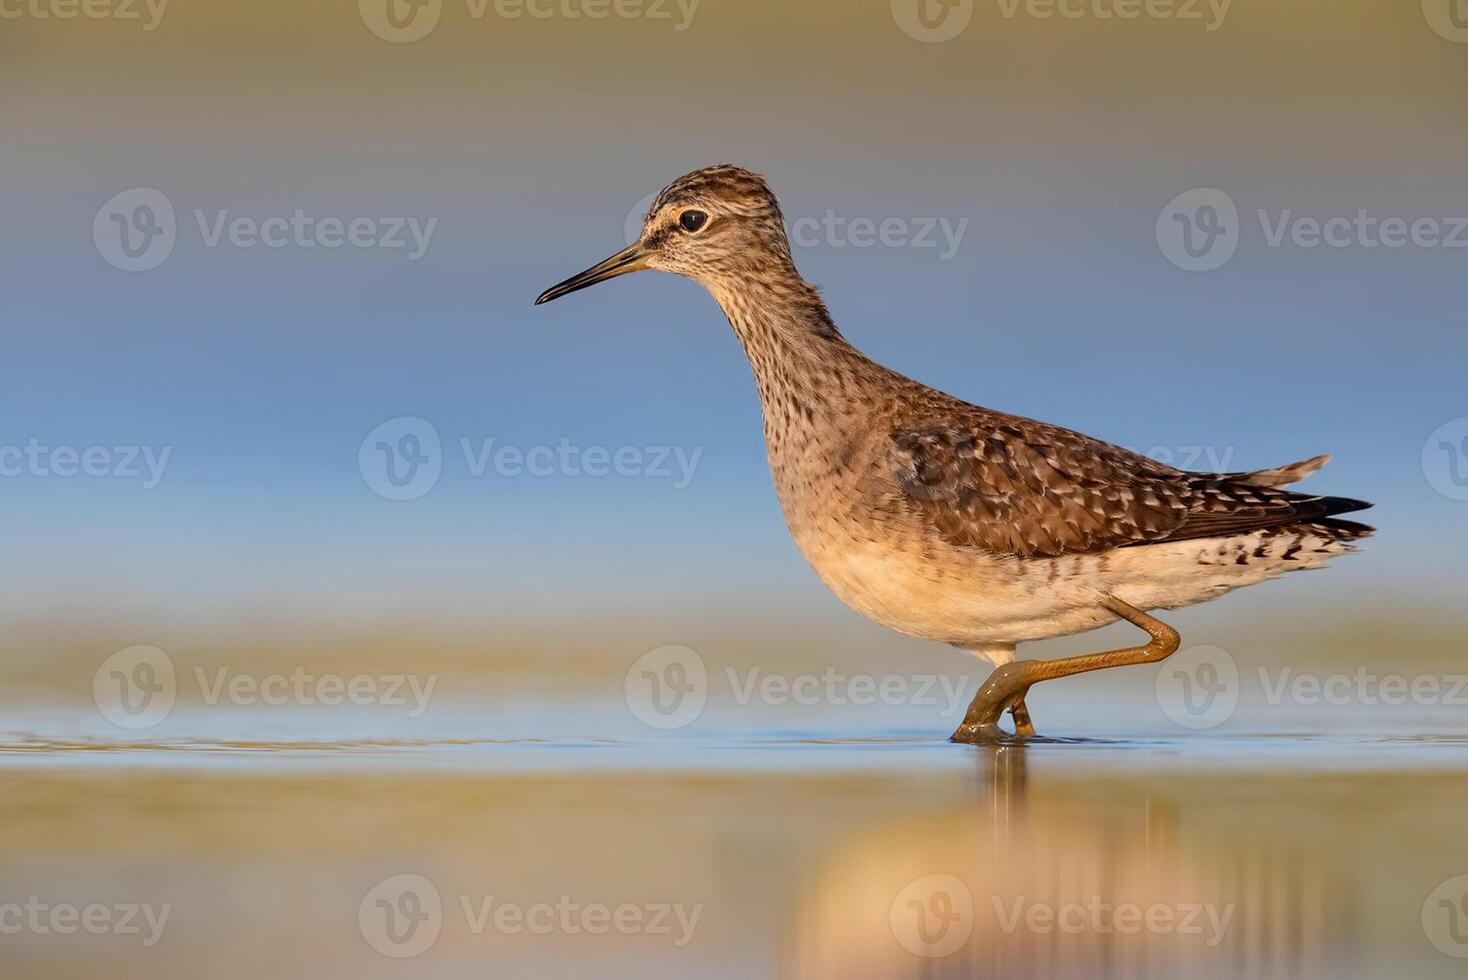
<point x="715" y="224"/>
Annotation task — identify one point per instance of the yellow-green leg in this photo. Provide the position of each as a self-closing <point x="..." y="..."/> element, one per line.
<point x="1006" y="688"/>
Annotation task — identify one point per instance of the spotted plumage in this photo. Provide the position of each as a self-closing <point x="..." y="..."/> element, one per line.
<point x="956" y="523"/>
<point x="1023" y="489"/>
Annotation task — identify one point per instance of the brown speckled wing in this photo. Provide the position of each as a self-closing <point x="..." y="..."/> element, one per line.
<point x="1017" y="488"/>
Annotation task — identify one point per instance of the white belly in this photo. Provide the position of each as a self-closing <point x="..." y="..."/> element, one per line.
<point x="969" y="599"/>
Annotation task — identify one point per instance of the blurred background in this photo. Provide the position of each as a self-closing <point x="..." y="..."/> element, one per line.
<point x="1054" y="143"/>
<point x="275" y="401"/>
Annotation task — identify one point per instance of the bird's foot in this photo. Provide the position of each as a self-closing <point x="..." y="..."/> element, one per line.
<point x="989" y="733"/>
<point x="1004" y="690"/>
<point x="984" y="734"/>
<point x="975" y="734"/>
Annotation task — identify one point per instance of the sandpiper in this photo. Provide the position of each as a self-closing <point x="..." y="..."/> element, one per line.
<point x="956" y="523"/>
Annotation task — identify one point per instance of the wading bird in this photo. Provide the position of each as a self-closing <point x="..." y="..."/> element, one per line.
<point x="956" y="523"/>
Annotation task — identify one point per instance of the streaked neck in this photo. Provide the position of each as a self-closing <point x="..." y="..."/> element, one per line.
<point x="798" y="356"/>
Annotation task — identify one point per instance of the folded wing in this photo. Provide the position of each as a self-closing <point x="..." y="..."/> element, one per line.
<point x="1023" y="489"/>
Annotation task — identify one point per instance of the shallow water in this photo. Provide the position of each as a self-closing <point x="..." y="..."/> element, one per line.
<point x="278" y="849"/>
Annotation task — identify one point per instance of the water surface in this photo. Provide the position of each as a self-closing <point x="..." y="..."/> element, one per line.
<point x="734" y="853"/>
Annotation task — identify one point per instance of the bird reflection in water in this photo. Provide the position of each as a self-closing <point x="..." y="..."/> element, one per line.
<point x="1072" y="877"/>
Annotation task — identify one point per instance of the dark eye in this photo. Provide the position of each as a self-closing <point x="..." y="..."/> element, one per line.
<point x="693" y="220"/>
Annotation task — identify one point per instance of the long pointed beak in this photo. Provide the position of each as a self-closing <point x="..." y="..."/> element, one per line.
<point x="631" y="259"/>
